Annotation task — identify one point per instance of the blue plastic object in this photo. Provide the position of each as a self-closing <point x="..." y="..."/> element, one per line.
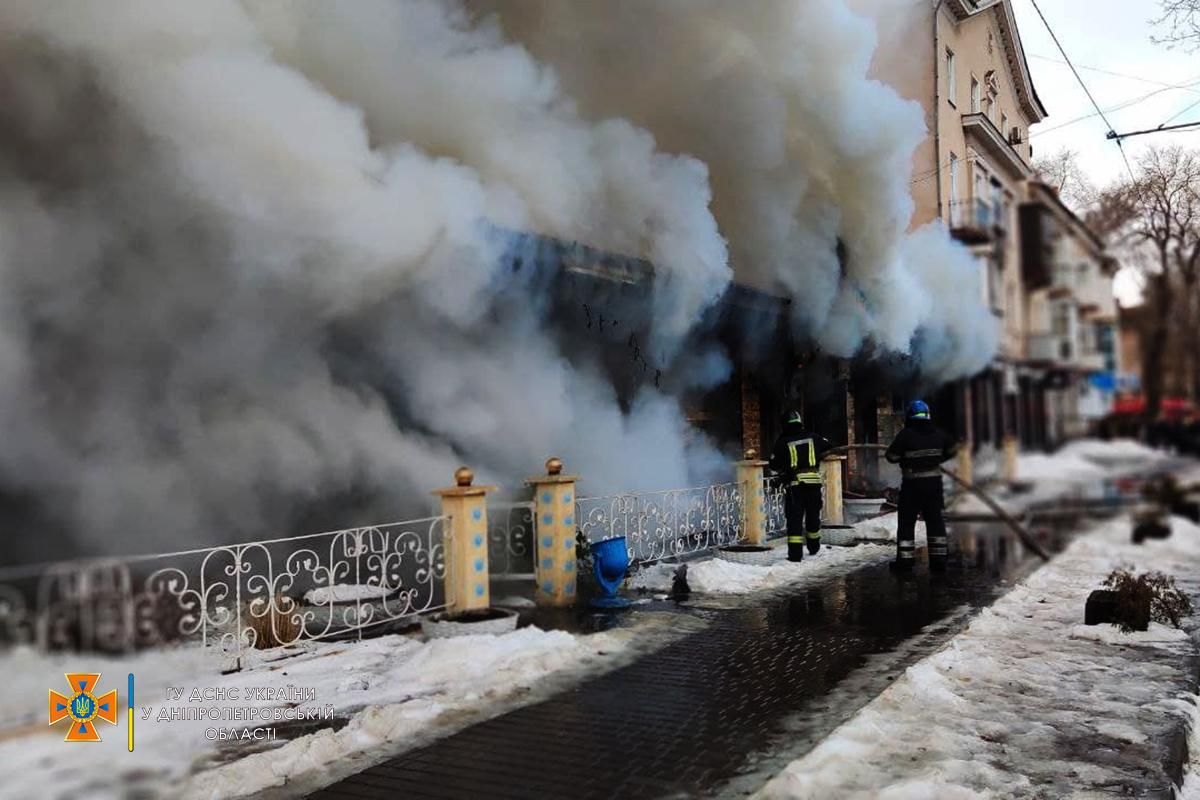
<point x="610" y="562"/>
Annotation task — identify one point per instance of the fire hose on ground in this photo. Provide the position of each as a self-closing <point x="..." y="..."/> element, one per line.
<point x="1008" y="519"/>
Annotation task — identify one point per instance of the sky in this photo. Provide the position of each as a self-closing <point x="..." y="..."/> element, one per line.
<point x="1102" y="37"/>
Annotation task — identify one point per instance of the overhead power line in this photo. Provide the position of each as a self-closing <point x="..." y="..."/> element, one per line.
<point x="1115" y="74"/>
<point x="1133" y="101"/>
<point x="1075" y="72"/>
<point x="1181" y="113"/>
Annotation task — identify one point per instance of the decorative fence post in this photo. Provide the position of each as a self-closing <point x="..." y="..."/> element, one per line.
<point x="466" y="543"/>
<point x="1009" y="465"/>
<point x="554" y="523"/>
<point x="831" y="479"/>
<point x="754" y="498"/>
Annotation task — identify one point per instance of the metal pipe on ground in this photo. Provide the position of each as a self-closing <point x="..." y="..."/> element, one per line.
<point x="1020" y="530"/>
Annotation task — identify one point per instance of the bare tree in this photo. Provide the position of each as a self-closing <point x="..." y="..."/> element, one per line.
<point x="1180" y="19"/>
<point x="1062" y="172"/>
<point x="1159" y="213"/>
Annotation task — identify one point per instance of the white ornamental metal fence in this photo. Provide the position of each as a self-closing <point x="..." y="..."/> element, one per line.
<point x="260" y="595"/>
<point x="776" y="511"/>
<point x="668" y="524"/>
<point x="511" y="537"/>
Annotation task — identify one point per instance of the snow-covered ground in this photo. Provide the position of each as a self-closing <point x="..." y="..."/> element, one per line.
<point x="1026" y="702"/>
<point x="717" y="576"/>
<point x="397" y="691"/>
<point x="1191" y="779"/>
<point x="1079" y="466"/>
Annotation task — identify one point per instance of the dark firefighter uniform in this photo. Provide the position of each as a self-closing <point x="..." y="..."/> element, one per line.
<point x="920" y="449"/>
<point x="797" y="457"/>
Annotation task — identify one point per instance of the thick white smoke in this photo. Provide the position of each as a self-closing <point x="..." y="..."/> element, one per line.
<point x="215" y="214"/>
<point x="803" y="150"/>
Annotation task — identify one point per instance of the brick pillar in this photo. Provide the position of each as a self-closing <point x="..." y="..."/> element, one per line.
<point x="554" y="523"/>
<point x="754" y="498"/>
<point x="466" y="543"/>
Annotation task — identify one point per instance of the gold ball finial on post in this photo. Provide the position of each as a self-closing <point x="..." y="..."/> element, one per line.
<point x="751" y="454"/>
<point x="463" y="476"/>
<point x="554" y="466"/>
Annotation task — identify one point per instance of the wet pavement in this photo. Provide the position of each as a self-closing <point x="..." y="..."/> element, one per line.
<point x="719" y="711"/>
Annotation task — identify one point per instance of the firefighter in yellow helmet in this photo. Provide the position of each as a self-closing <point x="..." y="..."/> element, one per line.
<point x="797" y="457"/>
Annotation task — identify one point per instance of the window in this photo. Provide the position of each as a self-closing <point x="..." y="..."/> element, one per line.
<point x="974" y="96"/>
<point x="951" y="79"/>
<point x="991" y="108"/>
<point x="1061" y="320"/>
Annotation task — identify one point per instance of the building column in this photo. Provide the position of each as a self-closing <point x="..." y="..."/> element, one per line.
<point x="466" y="543"/>
<point x="751" y="413"/>
<point x="554" y="540"/>
<point x="965" y="466"/>
<point x="968" y="406"/>
<point x="852" y="456"/>
<point x="1009" y="463"/>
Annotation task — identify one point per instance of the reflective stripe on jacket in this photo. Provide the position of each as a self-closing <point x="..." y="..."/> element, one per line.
<point x="802" y="457"/>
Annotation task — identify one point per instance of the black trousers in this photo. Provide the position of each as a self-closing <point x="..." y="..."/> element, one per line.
<point x="921" y="496"/>
<point x="802" y="504"/>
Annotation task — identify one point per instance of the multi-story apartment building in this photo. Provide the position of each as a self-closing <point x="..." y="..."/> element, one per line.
<point x="1071" y="313"/>
<point x="980" y="102"/>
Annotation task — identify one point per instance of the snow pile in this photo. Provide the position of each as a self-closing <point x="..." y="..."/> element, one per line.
<point x="718" y="576"/>
<point x="513" y="602"/>
<point x="1113" y="451"/>
<point x="1191" y="779"/>
<point x="1081" y="465"/>
<point x="1085" y="460"/>
<point x="397" y="691"/>
<point x="884" y="528"/>
<point x="1058" y="467"/>
<point x="1024" y="702"/>
<point x="343" y="593"/>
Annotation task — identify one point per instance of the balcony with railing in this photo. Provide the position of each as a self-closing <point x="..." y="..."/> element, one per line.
<point x="983" y="134"/>
<point x="1051" y="348"/>
<point x="1091" y="361"/>
<point x="973" y="221"/>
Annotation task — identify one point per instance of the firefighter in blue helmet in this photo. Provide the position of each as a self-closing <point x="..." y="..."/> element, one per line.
<point x="920" y="450"/>
<point x="797" y="457"/>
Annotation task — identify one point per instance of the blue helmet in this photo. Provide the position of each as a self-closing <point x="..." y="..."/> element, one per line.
<point x="918" y="409"/>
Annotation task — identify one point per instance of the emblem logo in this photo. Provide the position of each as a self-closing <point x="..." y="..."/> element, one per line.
<point x="82" y="707"/>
